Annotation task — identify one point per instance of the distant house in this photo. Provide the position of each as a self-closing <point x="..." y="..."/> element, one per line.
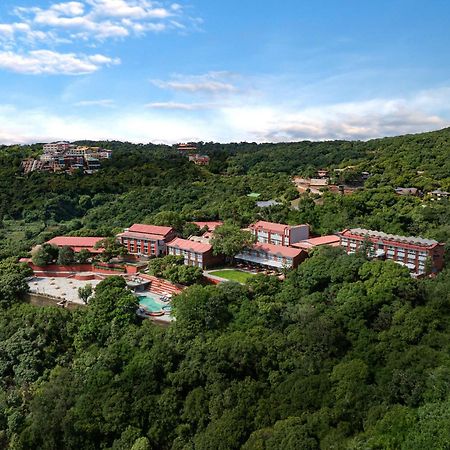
<point x="407" y="191"/>
<point x="308" y="244"/>
<point x="322" y="173"/>
<point x="146" y="240"/>
<point x="209" y="225"/>
<point x="186" y="148"/>
<point x="439" y="195"/>
<point x="199" y="254"/>
<point x="267" y="204"/>
<point x="411" y="252"/>
<point x="77" y="243"/>
<point x="200" y="160"/>
<point x="31" y="165"/>
<point x="278" y="233"/>
<point x="272" y="256"/>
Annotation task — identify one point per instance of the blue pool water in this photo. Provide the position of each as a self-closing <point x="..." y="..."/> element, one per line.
<point x="149" y="302"/>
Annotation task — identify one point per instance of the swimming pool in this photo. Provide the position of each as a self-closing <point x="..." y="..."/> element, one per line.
<point x="150" y="303"/>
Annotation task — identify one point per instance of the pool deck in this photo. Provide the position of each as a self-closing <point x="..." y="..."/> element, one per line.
<point x="166" y="318"/>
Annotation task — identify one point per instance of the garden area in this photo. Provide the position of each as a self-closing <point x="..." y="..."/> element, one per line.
<point x="233" y="275"/>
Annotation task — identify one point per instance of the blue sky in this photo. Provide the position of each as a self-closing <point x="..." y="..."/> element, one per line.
<point x="226" y="71"/>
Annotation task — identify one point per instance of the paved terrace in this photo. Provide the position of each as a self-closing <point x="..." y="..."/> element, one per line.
<point x="63" y="288"/>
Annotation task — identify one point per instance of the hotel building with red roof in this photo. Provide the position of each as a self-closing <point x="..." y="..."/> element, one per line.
<point x="272" y="256"/>
<point x="199" y="254"/>
<point x="308" y="244"/>
<point x="77" y="243"/>
<point x="146" y="240"/>
<point x="278" y="233"/>
<point x="412" y="252"/>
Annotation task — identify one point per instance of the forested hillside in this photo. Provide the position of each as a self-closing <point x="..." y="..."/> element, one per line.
<point x="346" y="353"/>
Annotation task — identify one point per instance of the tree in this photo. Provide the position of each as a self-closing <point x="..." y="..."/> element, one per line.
<point x="45" y="254"/>
<point x="83" y="256"/>
<point x="85" y="292"/>
<point x="169" y="219"/>
<point x="13" y="284"/>
<point x="158" y="266"/>
<point x="229" y="240"/>
<point x="65" y="256"/>
<point x="111" y="248"/>
<point x="191" y="229"/>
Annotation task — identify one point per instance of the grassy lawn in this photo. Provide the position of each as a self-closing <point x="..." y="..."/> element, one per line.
<point x="233" y="275"/>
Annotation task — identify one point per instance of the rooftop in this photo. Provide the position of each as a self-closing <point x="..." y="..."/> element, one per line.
<point x="76" y="242"/>
<point x="185" y="244"/>
<point x="279" y="250"/>
<point x="150" y="229"/>
<point x="391" y="237"/>
<point x="307" y="244"/>
<point x="271" y="226"/>
<point x="211" y="225"/>
<point x="149" y="236"/>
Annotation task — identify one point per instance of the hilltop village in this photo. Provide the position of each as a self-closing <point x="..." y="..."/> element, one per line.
<point x="66" y="157"/>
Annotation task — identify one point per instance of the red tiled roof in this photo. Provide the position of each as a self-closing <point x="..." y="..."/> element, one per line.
<point x="270" y="226"/>
<point x="150" y="237"/>
<point x="150" y="229"/>
<point x="331" y="239"/>
<point x="279" y="250"/>
<point x="77" y="243"/>
<point x="212" y="225"/>
<point x="185" y="244"/>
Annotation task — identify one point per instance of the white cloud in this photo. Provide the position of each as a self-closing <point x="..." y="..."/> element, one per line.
<point x="50" y="62"/>
<point x="179" y="106"/>
<point x="79" y="24"/>
<point x="105" y="102"/>
<point x="211" y="83"/>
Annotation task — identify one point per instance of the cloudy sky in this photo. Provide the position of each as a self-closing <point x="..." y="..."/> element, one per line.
<point x="254" y="70"/>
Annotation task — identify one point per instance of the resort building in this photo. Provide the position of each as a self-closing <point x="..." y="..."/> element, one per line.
<point x="278" y="233"/>
<point x="146" y="240"/>
<point x="77" y="243"/>
<point x="56" y="147"/>
<point x="200" y="160"/>
<point x="272" y="256"/>
<point x="439" y="195"/>
<point x="307" y="245"/>
<point x="413" y="252"/>
<point x="198" y="254"/>
<point x="186" y="148"/>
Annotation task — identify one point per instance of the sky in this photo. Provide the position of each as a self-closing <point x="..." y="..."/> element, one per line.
<point x="224" y="71"/>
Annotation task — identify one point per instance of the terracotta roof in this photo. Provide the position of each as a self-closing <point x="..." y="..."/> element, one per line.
<point x="77" y="243"/>
<point x="150" y="237"/>
<point x="279" y="250"/>
<point x="331" y="239"/>
<point x="271" y="226"/>
<point x="212" y="225"/>
<point x="390" y="237"/>
<point x="150" y="229"/>
<point x="185" y="244"/>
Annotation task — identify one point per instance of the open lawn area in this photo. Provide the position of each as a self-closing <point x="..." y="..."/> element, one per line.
<point x="233" y="275"/>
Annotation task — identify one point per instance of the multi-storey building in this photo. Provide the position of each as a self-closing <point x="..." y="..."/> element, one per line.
<point x="146" y="240"/>
<point x="55" y="147"/>
<point x="413" y="252"/>
<point x="199" y="254"/>
<point x="272" y="256"/>
<point x="278" y="233"/>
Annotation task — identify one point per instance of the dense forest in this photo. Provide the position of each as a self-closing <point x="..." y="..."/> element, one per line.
<point x="346" y="353"/>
